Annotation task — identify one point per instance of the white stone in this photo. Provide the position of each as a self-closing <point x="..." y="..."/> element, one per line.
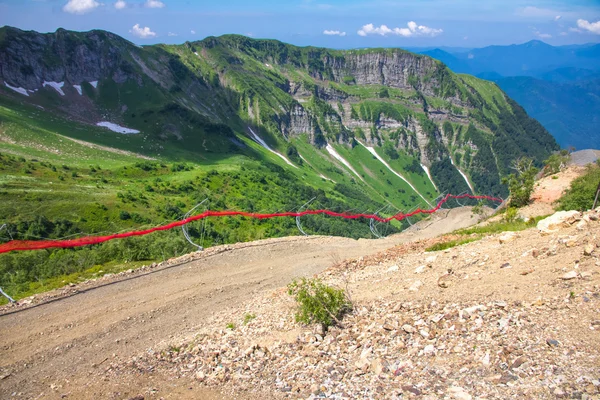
<point x="507" y="237"/>
<point x="553" y="222"/>
<point x="458" y="393"/>
<point x="420" y="269"/>
<point x="569" y="275"/>
<point x="393" y="268"/>
<point x="415" y="286"/>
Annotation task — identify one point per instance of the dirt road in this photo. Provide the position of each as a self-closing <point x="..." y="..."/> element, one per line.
<point x="59" y="349"/>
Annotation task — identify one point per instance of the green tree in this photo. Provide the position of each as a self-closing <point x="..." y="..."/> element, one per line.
<point x="557" y="162"/>
<point x="520" y="183"/>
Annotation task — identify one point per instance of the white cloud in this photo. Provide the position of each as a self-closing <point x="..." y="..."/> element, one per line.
<point x="80" y="6"/>
<point x="557" y="17"/>
<point x="193" y="32"/>
<point x="154" y="4"/>
<point x="412" y="30"/>
<point x="536" y="12"/>
<point x="593" y="27"/>
<point x="142" y="33"/>
<point x="171" y="34"/>
<point x="541" y="35"/>
<point x="575" y="30"/>
<point x="120" y="4"/>
<point x="466" y="38"/>
<point x="333" y="33"/>
<point x="563" y="34"/>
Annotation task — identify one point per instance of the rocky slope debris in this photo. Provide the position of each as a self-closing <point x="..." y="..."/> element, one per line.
<point x="489" y="319"/>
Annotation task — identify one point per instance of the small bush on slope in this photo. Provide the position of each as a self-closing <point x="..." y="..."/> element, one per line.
<point x="318" y="303"/>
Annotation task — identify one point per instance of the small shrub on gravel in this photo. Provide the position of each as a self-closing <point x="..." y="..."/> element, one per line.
<point x="319" y="303"/>
<point x="248" y="318"/>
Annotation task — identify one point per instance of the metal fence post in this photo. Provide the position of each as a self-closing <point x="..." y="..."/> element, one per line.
<point x="2" y="292"/>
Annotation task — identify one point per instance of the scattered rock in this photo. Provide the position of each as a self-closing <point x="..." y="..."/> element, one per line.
<point x="393" y="268"/>
<point x="415" y="286"/>
<point x="506" y="265"/>
<point x="429" y="350"/>
<point x="569" y="275"/>
<point x="458" y="393"/>
<point x="552" y="342"/>
<point x="507" y="237"/>
<point x="581" y="225"/>
<point x="420" y="269"/>
<point x="518" y="362"/>
<point x="445" y="281"/>
<point x="559" y="219"/>
<point x="408" y="328"/>
<point x="412" y="389"/>
<point x="588" y="249"/>
<point x="430" y="260"/>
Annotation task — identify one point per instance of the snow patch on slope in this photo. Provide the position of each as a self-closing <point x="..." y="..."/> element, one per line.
<point x="78" y="88"/>
<point x="464" y="176"/>
<point x="117" y="128"/>
<point x="429" y="176"/>
<point x="17" y="89"/>
<point x="56" y="85"/>
<point x="266" y="146"/>
<point x="341" y="159"/>
<point x="372" y="151"/>
<point x="94" y="84"/>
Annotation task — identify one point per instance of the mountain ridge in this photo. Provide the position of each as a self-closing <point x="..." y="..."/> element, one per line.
<point x="408" y="106"/>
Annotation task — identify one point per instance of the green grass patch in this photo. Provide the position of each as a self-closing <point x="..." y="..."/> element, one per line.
<point x="582" y="192"/>
<point x="451" y="243"/>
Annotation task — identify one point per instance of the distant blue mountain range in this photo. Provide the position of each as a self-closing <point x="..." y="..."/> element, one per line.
<point x="557" y="85"/>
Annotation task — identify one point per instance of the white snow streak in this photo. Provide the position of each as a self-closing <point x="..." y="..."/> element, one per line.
<point x="94" y="84"/>
<point x="266" y="146"/>
<point x="341" y="159"/>
<point x="372" y="151"/>
<point x="78" y="88"/>
<point x="429" y="176"/>
<point x="117" y="128"/>
<point x="17" y="89"/>
<point x="56" y="85"/>
<point x="463" y="175"/>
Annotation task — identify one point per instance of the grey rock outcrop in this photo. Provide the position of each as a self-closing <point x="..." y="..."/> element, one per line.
<point x="27" y="59"/>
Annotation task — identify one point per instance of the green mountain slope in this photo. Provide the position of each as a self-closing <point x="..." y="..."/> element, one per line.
<point x="200" y="98"/>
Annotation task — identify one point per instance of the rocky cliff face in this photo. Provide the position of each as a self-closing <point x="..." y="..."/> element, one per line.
<point x="28" y="59"/>
<point x="393" y="69"/>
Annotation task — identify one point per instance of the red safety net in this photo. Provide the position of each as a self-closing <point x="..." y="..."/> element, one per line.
<point x="22" y="245"/>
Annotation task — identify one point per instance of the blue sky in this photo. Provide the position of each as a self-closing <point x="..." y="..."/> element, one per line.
<point x="331" y="23"/>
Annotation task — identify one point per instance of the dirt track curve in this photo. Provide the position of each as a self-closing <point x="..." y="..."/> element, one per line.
<point x="57" y="349"/>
